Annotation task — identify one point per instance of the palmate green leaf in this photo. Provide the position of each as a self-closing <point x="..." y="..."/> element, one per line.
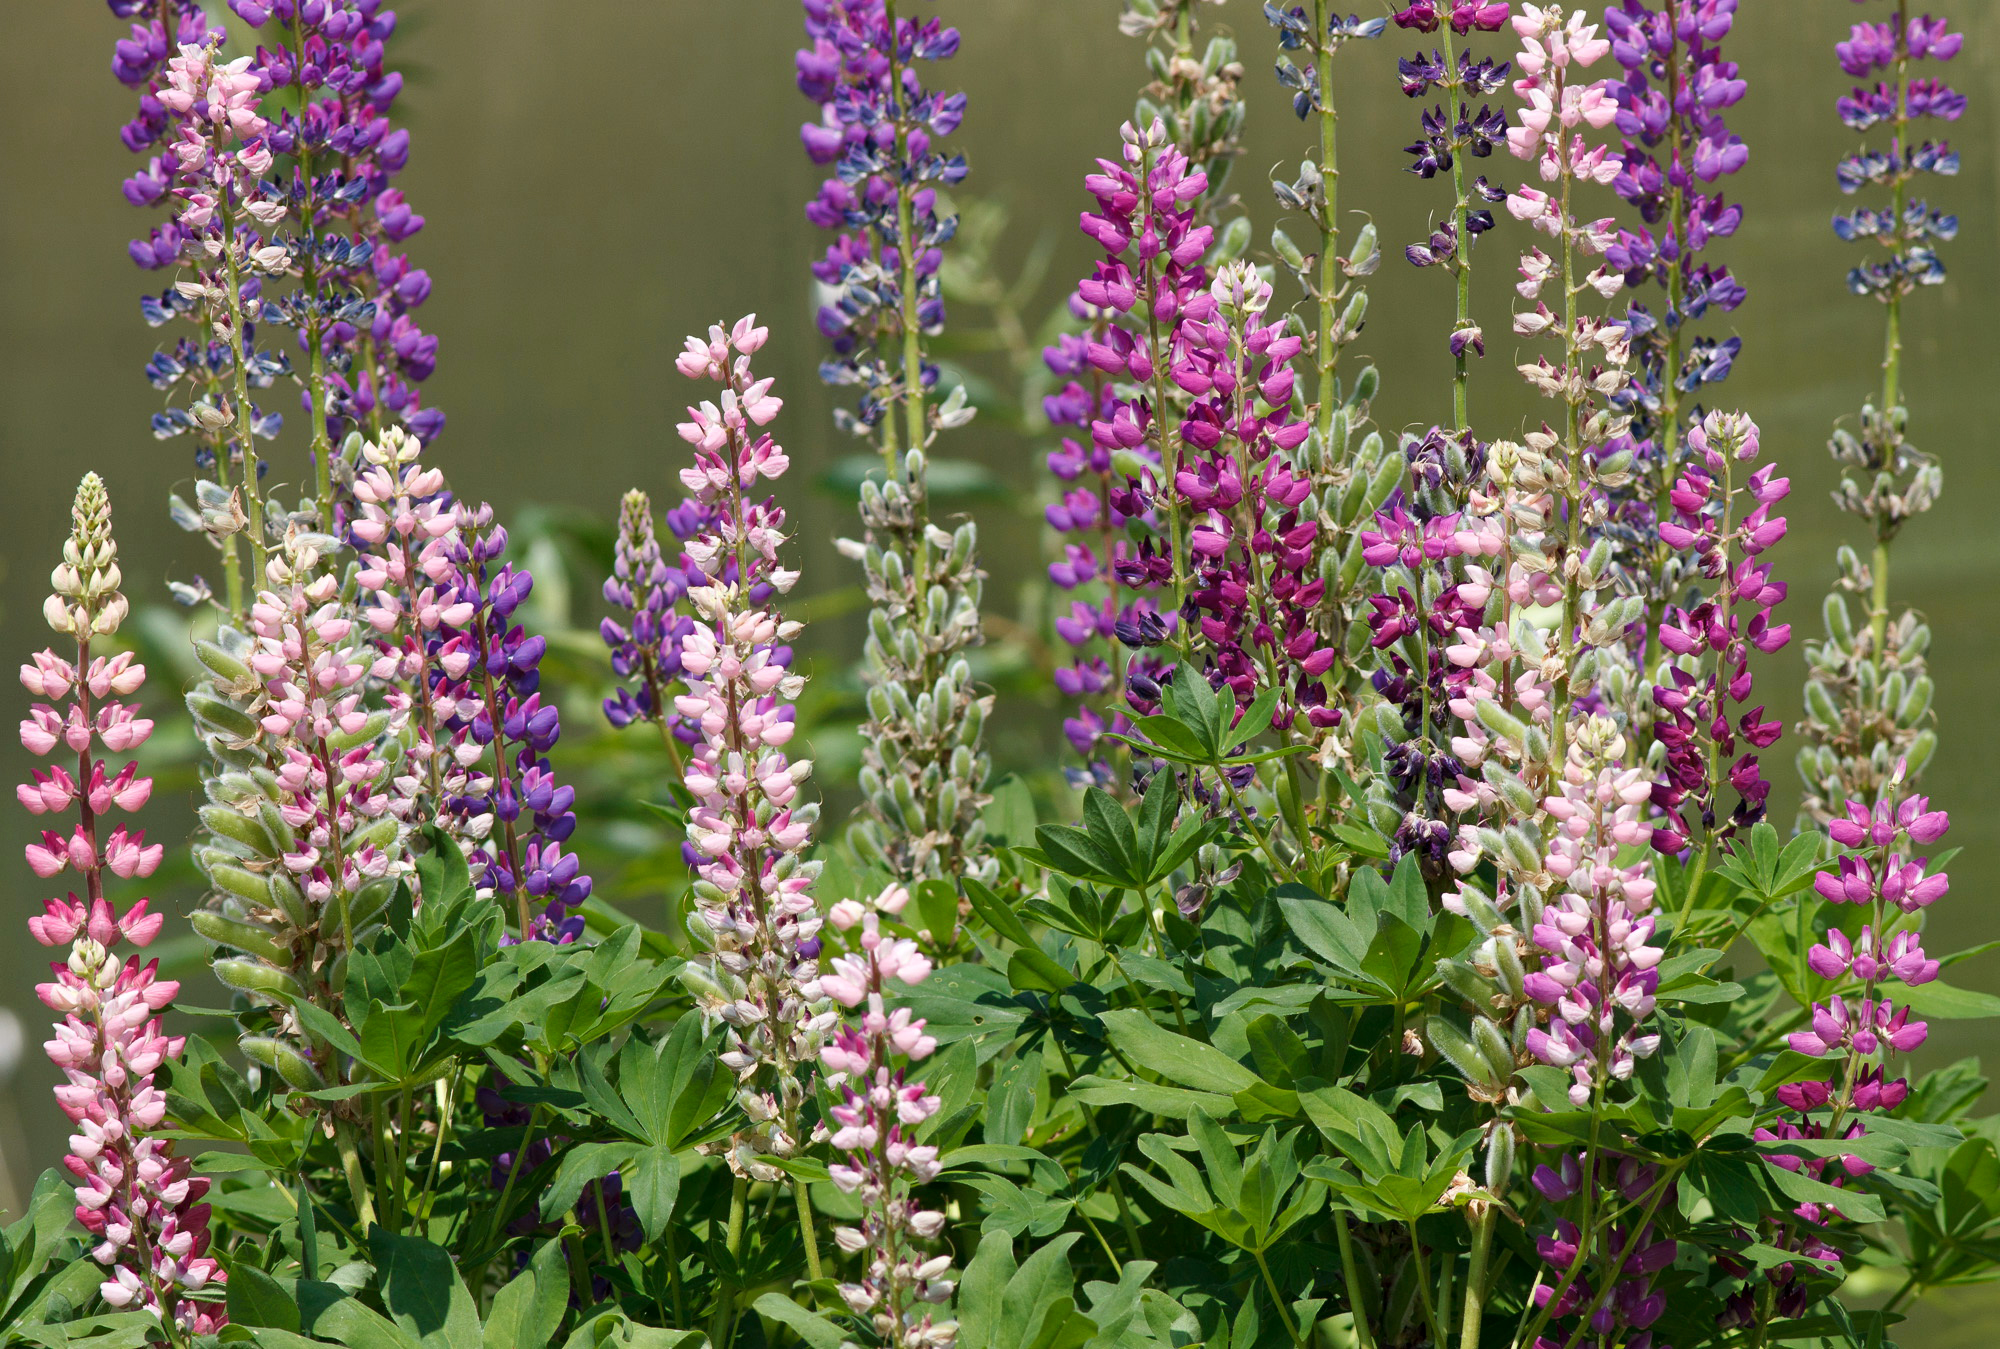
<point x="391" y="1037"/>
<point x="671" y="1087"/>
<point x="580" y="1165"/>
<point x="1198" y="705"/>
<point x="996" y="912"/>
<point x="816" y="1330"/>
<point x="1181" y="1060"/>
<point x="1032" y="969"/>
<point x="1166" y="1102"/>
<point x="652" y="1182"/>
<point x="1856" y="1204"/>
<point x="528" y="1311"/>
<point x="1032" y="1305"/>
<point x="257" y="1299"/>
<point x="1170" y="738"/>
<point x="422" y="1292"/>
<point x="1013" y="1210"/>
<point x="1326" y="931"/>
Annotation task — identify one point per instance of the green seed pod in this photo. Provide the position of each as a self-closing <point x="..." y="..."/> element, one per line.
<point x="1922" y="747"/>
<point x="1453" y="1046"/>
<point x="867" y="846"/>
<point x="261" y="1049"/>
<point x="1839" y="625"/>
<point x="286" y="896"/>
<point x="368" y="901"/>
<point x="1819" y="704"/>
<point x="1365" y="245"/>
<point x="1287" y="251"/>
<point x="1467" y="982"/>
<point x="1500" y="1158"/>
<point x="254" y="976"/>
<point x="1493" y="1047"/>
<point x="1354" y="317"/>
<point x="234" y="673"/>
<point x="220" y="717"/>
<point x="236" y="881"/>
<point x="1233" y="242"/>
<point x="230" y="824"/>
<point x="1916" y="704"/>
<point x="297" y="1070"/>
<point x="1368" y="382"/>
<point x="343" y="741"/>
<point x="1508" y="961"/>
<point x="246" y="937"/>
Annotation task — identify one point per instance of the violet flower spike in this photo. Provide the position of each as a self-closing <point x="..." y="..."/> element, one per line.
<point x="354" y="305"/>
<point x="1885" y="480"/>
<point x="499" y="788"/>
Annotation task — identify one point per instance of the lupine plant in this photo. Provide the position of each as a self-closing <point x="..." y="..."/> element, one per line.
<point x="1407" y="957"/>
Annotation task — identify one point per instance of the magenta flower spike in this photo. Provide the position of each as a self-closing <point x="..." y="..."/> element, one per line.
<point x="1253" y="591"/>
<point x="139" y="1201"/>
<point x="1722" y="524"/>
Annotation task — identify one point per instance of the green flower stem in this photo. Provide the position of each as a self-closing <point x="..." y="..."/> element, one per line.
<point x="1424" y="1297"/>
<point x="1461" y="259"/>
<point x="1278" y="1301"/>
<point x="1475" y="1277"/>
<point x="1892" y="355"/>
<point x="806" y="1228"/>
<point x="1350" y="1273"/>
<point x="350" y="1165"/>
<point x="1326" y="355"/>
<point x="253" y="502"/>
<point x="722" y="1326"/>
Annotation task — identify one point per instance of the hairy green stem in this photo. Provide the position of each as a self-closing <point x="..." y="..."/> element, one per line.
<point x="1350" y="1273"/>
<point x="1475" y="1277"/>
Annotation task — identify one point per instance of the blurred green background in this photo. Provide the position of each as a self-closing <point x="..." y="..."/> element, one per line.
<point x="601" y="177"/>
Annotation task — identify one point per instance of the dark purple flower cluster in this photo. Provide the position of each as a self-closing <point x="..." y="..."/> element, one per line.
<point x="204" y="365"/>
<point x="1462" y="15"/>
<point x="354" y="306"/>
<point x="879" y="129"/>
<point x="1676" y="147"/>
<point x="498" y="785"/>
<point x="645" y="640"/>
<point x="1910" y="229"/>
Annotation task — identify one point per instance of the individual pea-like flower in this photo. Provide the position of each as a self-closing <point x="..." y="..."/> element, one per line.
<point x="140" y="1203"/>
